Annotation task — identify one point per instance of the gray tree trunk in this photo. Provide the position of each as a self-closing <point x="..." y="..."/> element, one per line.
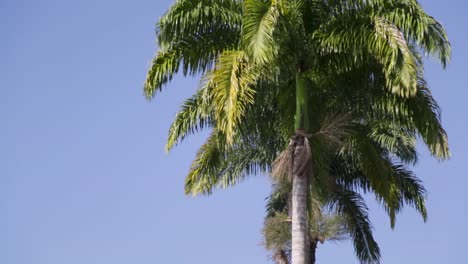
<point x="300" y="229"/>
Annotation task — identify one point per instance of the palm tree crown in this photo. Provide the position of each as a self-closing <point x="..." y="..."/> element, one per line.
<point x="349" y="72"/>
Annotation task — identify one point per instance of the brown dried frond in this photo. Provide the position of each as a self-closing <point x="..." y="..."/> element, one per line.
<point x="334" y="127"/>
<point x="299" y="148"/>
<point x="280" y="257"/>
<point x="280" y="166"/>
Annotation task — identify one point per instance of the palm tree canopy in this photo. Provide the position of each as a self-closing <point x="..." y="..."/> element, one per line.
<point x="260" y="42"/>
<point x="360" y="59"/>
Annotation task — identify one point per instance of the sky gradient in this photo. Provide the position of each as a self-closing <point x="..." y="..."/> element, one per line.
<point x="83" y="173"/>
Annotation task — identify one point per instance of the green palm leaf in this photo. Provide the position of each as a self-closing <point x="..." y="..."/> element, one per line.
<point x="352" y="205"/>
<point x="196" y="113"/>
<point x="231" y="82"/>
<point x="360" y="36"/>
<point x="192" y="34"/>
<point x="260" y="20"/>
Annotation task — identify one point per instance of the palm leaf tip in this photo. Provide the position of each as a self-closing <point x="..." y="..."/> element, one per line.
<point x="203" y="174"/>
<point x="352" y="204"/>
<point x="163" y="67"/>
<point x="193" y="117"/>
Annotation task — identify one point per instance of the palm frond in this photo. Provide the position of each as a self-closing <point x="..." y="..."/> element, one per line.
<point x="410" y="189"/>
<point x="370" y="169"/>
<point x="408" y="16"/>
<point x="376" y="169"/>
<point x="282" y="165"/>
<point x="219" y="165"/>
<point x="417" y="26"/>
<point x="348" y="40"/>
<point x="203" y="174"/>
<point x="185" y="18"/>
<point x="191" y="35"/>
<point x="196" y="113"/>
<point x="232" y="81"/>
<point x="163" y="68"/>
<point x="396" y="139"/>
<point x="418" y="115"/>
<point x="352" y="205"/>
<point x="334" y="127"/>
<point x="427" y="121"/>
<point x="259" y="24"/>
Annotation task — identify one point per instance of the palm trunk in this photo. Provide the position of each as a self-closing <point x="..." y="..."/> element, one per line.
<point x="300" y="162"/>
<point x="299" y="218"/>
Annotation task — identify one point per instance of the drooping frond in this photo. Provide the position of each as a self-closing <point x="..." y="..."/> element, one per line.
<point x="396" y="139"/>
<point x="377" y="172"/>
<point x="242" y="161"/>
<point x="232" y="82"/>
<point x="334" y="128"/>
<point x="191" y="35"/>
<point x="163" y="68"/>
<point x="427" y="121"/>
<point x="348" y="40"/>
<point x="203" y="173"/>
<point x="352" y="205"/>
<point x="218" y="165"/>
<point x="249" y="154"/>
<point x="418" y="115"/>
<point x="407" y="15"/>
<point x="196" y="113"/>
<point x="410" y="189"/>
<point x="417" y="26"/>
<point x="363" y="165"/>
<point x="259" y="24"/>
<point x="281" y="166"/>
<point x="187" y="18"/>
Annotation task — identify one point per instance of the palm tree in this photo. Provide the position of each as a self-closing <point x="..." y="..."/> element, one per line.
<point x="268" y="64"/>
<point x="361" y="161"/>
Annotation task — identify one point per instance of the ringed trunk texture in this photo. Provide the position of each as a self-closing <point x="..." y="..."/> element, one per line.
<point x="300" y="229"/>
<point x="301" y="167"/>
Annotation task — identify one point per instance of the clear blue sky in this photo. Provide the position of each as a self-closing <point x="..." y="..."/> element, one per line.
<point x="83" y="173"/>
